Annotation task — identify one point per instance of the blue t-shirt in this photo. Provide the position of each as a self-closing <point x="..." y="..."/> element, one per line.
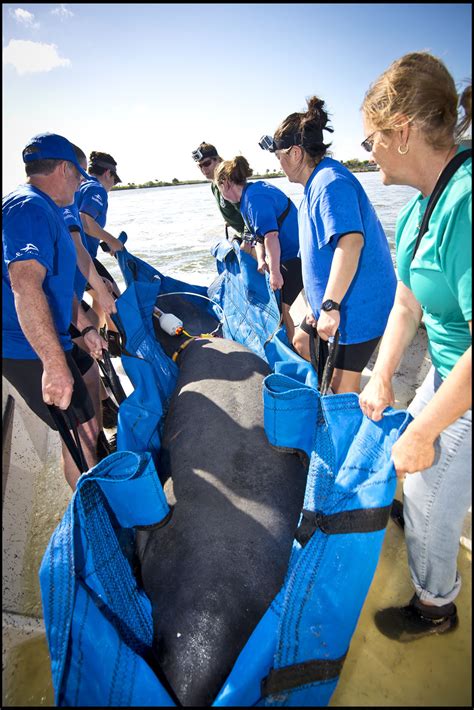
<point x="34" y="228"/>
<point x="260" y="205"/>
<point x="74" y="224"/>
<point x="335" y="204"/>
<point x="93" y="201"/>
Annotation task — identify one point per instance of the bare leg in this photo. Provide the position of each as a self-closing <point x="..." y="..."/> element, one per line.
<point x="288" y="322"/>
<point x="300" y="342"/>
<point x="93" y="384"/>
<point x="103" y="392"/>
<point x="345" y="381"/>
<point x="88" y="433"/>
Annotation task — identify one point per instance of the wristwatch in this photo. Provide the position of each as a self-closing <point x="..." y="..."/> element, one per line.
<point x="330" y="305"/>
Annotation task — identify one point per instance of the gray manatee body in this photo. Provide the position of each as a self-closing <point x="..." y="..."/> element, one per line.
<point x="213" y="570"/>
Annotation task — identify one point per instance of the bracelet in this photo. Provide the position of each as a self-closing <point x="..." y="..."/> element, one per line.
<point x="89" y="328"/>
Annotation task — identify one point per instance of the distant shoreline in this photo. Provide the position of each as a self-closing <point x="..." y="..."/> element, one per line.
<point x="354" y="166"/>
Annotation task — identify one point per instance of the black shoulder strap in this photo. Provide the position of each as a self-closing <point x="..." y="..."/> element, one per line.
<point x="443" y="180"/>
<point x="280" y="220"/>
<point x="284" y="214"/>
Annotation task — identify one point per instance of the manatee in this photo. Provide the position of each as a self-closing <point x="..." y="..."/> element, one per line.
<point x="212" y="571"/>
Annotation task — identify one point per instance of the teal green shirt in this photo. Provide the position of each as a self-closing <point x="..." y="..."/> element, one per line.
<point x="228" y="210"/>
<point x="440" y="275"/>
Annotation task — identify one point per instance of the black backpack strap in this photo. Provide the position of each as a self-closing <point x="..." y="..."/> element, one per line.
<point x="280" y="221"/>
<point x="284" y="214"/>
<point x="438" y="190"/>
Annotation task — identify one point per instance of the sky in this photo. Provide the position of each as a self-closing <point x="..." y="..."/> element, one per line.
<point x="148" y="82"/>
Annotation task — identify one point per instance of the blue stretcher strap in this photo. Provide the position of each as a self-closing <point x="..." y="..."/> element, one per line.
<point x="251" y="313"/>
<point x="299" y="674"/>
<point x="348" y="521"/>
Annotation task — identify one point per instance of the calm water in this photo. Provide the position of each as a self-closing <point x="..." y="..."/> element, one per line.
<point x="173" y="228"/>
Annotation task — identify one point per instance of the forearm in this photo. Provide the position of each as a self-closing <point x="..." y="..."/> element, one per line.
<point x="402" y="326"/>
<point x="92" y="229"/>
<point x="259" y="252"/>
<point x="273" y="252"/>
<point x="452" y="399"/>
<point x="344" y="266"/>
<point x="37" y="324"/>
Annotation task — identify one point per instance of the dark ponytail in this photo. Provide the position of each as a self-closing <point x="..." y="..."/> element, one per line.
<point x="312" y="125"/>
<point x="308" y="126"/>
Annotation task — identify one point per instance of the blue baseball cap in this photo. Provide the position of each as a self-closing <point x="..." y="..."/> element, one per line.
<point x="51" y="146"/>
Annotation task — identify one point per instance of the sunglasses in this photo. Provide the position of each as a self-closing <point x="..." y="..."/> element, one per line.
<point x="206" y="163"/>
<point x="368" y="143"/>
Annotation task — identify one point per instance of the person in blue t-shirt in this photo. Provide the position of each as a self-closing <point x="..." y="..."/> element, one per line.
<point x="348" y="275"/>
<point x="272" y="219"/>
<point x="92" y="203"/>
<point x="39" y="264"/>
<point x="86" y="273"/>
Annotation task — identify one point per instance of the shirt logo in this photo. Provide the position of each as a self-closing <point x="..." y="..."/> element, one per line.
<point x="29" y="247"/>
<point x="98" y="199"/>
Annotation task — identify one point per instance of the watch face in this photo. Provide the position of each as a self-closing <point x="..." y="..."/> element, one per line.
<point x="330" y="305"/>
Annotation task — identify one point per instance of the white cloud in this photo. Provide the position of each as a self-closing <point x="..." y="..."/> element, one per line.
<point x="24" y="18"/>
<point x="62" y="12"/>
<point x="28" y="57"/>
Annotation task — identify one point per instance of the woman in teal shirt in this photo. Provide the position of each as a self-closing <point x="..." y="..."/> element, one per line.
<point x="410" y="119"/>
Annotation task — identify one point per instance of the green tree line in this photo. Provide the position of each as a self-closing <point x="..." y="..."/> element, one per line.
<point x="353" y="164"/>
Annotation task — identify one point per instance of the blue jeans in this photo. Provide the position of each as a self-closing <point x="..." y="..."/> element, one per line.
<point x="435" y="503"/>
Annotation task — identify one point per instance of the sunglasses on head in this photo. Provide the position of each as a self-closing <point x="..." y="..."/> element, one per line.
<point x="206" y="163"/>
<point x="272" y="145"/>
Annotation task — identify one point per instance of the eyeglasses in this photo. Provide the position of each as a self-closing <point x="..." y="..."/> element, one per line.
<point x="206" y="163"/>
<point x="368" y="143"/>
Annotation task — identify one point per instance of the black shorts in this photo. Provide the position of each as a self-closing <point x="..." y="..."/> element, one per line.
<point x="350" y="357"/>
<point x="292" y="280"/>
<point x="25" y="376"/>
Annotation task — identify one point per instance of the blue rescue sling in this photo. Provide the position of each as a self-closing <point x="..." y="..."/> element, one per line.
<point x="99" y="622"/>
